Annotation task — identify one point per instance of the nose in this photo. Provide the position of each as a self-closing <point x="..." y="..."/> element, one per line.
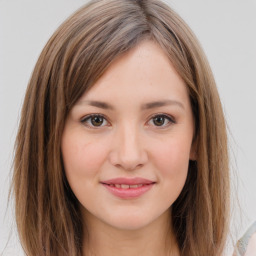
<point x="128" y="151"/>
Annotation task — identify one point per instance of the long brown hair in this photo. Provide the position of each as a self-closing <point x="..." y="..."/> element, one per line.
<point x="47" y="214"/>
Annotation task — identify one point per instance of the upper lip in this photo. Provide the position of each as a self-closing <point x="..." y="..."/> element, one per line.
<point x="128" y="181"/>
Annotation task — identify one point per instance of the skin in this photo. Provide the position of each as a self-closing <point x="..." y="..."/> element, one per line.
<point x="129" y="142"/>
<point x="251" y="248"/>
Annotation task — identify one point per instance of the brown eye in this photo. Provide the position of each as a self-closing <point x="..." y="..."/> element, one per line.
<point x="94" y="121"/>
<point x="162" y="120"/>
<point x="97" y="120"/>
<point x="159" y="120"/>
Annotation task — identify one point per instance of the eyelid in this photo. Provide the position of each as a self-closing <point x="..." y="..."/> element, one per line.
<point x="168" y="116"/>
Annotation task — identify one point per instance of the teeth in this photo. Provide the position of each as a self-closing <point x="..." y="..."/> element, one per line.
<point x="134" y="186"/>
<point x="126" y="186"/>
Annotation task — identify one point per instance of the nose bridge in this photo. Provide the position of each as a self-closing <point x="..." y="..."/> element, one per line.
<point x="128" y="147"/>
<point x="129" y="141"/>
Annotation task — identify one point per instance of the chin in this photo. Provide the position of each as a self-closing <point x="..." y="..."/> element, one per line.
<point x="131" y="221"/>
<point x="130" y="224"/>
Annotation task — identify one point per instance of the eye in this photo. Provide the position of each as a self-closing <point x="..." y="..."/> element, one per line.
<point x="94" y="121"/>
<point x="161" y="120"/>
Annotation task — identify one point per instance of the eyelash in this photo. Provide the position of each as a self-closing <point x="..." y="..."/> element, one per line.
<point x="88" y="119"/>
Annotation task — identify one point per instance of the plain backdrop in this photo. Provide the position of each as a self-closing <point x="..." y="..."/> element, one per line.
<point x="227" y="32"/>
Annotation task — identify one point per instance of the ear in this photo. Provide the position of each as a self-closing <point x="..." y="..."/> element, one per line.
<point x="193" y="150"/>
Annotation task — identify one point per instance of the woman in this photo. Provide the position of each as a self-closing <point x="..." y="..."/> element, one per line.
<point x="122" y="145"/>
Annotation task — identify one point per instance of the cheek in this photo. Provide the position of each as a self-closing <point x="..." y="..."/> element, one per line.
<point x="172" y="157"/>
<point x="81" y="156"/>
<point x="171" y="160"/>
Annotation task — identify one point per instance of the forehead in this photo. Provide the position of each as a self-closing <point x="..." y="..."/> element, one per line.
<point x="145" y="73"/>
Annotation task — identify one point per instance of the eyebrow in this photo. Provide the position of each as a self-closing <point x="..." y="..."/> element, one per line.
<point x="162" y="103"/>
<point x="149" y="105"/>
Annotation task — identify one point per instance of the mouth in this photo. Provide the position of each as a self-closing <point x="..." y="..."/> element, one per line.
<point x="128" y="188"/>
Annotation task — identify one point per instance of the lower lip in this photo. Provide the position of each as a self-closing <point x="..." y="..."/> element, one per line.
<point x="130" y="192"/>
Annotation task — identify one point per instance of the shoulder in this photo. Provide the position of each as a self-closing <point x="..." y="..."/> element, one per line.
<point x="246" y="245"/>
<point x="251" y="248"/>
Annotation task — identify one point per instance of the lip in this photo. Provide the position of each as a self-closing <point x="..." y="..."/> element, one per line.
<point x="128" y="181"/>
<point x="128" y="193"/>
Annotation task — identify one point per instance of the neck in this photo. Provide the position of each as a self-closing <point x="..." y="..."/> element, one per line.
<point x="155" y="239"/>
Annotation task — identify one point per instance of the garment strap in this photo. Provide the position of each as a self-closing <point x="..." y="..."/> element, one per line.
<point x="244" y="240"/>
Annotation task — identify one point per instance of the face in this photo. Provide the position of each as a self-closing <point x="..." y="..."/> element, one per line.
<point x="127" y="142"/>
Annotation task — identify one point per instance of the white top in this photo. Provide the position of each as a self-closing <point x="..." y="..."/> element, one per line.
<point x="246" y="246"/>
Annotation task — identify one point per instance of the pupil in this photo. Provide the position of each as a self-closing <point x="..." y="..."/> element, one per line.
<point x="97" y="120"/>
<point x="158" y="121"/>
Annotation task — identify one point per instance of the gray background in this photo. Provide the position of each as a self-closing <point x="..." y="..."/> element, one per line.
<point x="227" y="32"/>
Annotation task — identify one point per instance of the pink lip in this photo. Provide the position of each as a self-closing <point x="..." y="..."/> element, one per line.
<point x="128" y="181"/>
<point x="128" y="193"/>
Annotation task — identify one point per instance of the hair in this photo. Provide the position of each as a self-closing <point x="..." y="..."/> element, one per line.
<point x="79" y="52"/>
